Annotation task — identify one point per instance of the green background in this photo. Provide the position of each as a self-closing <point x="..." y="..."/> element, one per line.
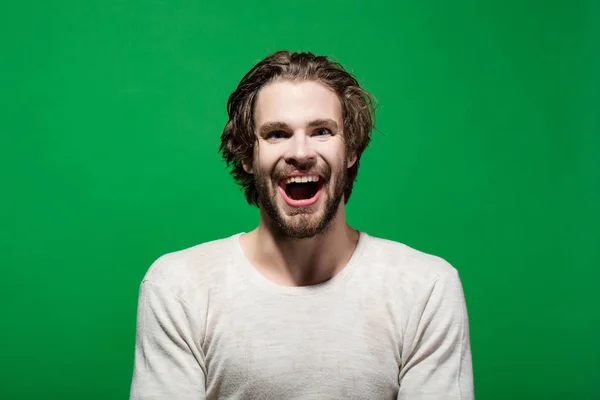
<point x="487" y="154"/>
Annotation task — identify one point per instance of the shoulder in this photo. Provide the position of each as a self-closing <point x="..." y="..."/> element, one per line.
<point x="193" y="270"/>
<point x="411" y="279"/>
<point x="402" y="263"/>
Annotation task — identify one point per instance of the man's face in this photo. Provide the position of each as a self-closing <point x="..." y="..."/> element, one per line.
<point x="300" y="163"/>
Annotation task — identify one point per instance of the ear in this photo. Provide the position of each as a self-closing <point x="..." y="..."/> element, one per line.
<point x="352" y="159"/>
<point x="247" y="165"/>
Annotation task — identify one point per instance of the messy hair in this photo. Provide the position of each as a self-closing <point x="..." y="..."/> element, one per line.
<point x="238" y="138"/>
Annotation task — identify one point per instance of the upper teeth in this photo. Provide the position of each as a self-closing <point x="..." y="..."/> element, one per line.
<point x="302" y="179"/>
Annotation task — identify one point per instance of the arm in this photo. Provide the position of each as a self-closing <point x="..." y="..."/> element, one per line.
<point x="169" y="362"/>
<point x="436" y="355"/>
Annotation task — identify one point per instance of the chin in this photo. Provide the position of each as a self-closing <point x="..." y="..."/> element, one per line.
<point x="303" y="224"/>
<point x="299" y="222"/>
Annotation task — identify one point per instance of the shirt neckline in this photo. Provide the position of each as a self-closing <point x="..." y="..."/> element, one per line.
<point x="241" y="262"/>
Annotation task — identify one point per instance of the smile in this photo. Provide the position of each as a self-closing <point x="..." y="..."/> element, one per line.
<point x="301" y="191"/>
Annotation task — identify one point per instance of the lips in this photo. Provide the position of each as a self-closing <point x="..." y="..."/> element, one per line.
<point x="301" y="190"/>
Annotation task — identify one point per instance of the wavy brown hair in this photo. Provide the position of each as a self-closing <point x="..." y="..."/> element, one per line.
<point x="238" y="138"/>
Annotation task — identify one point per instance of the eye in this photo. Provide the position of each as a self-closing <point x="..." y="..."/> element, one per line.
<point x="322" y="132"/>
<point x="274" y="135"/>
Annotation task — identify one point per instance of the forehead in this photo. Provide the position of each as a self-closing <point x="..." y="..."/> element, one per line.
<point x="296" y="103"/>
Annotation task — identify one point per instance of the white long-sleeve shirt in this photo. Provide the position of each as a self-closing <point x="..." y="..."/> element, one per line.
<point x="391" y="325"/>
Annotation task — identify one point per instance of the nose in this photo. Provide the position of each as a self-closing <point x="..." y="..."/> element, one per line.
<point x="300" y="152"/>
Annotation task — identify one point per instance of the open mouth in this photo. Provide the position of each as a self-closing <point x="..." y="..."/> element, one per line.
<point x="301" y="191"/>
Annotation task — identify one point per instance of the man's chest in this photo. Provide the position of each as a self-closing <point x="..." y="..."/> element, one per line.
<point x="301" y="350"/>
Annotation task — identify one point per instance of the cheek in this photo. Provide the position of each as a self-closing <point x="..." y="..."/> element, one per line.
<point x="335" y="158"/>
<point x="265" y="160"/>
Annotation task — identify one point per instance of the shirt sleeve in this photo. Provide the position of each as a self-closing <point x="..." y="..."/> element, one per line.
<point x="169" y="362"/>
<point x="436" y="355"/>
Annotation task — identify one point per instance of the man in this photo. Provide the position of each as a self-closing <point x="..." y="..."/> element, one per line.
<point x="303" y="306"/>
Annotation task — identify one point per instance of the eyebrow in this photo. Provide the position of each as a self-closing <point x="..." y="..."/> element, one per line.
<point x="280" y="126"/>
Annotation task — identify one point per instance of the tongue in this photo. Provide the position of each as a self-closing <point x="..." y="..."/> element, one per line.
<point x="300" y="191"/>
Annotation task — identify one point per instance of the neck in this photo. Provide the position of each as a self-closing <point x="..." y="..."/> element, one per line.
<point x="301" y="262"/>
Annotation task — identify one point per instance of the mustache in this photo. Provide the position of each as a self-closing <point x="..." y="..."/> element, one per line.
<point x="324" y="172"/>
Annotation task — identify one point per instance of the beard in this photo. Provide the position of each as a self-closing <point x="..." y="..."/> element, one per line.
<point x="300" y="224"/>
